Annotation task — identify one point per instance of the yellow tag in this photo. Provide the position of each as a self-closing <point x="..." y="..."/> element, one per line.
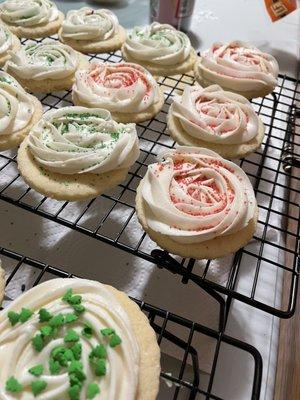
<point x="280" y="8"/>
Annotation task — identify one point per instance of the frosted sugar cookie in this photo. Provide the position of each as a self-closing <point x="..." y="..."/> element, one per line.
<point x="239" y="67"/>
<point x="216" y="119"/>
<point x="194" y="203"/>
<point x="77" y="339"/>
<point x="19" y="111"/>
<point x="45" y="67"/>
<point x="127" y="90"/>
<point x="31" y="18"/>
<point x="77" y="153"/>
<point x="160" y="48"/>
<point x="8" y="42"/>
<point x="92" y="31"/>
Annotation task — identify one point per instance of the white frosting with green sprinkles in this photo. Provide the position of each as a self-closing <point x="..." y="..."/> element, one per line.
<point x="28" y="12"/>
<point x="68" y="339"/>
<point x="75" y="140"/>
<point x="6" y="40"/>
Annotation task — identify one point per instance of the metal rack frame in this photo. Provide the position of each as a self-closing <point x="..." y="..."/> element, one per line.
<point x="190" y="385"/>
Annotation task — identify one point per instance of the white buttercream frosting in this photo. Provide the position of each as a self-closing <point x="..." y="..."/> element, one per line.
<point x="48" y="60"/>
<point x="75" y="140"/>
<point x="102" y="310"/>
<point x="16" y="106"/>
<point x="6" y="40"/>
<point x="193" y="195"/>
<point x="215" y="115"/>
<point x="159" y="44"/>
<point x="117" y="87"/>
<point x="89" y="24"/>
<point x="238" y="65"/>
<point x="28" y="12"/>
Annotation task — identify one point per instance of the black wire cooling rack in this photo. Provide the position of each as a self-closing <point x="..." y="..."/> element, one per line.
<point x="176" y="336"/>
<point x="111" y="217"/>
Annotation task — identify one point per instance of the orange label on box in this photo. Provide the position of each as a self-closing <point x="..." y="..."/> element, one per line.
<point x="280" y="8"/>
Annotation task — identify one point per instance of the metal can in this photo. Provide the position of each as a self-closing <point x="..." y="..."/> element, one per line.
<point x="177" y="13"/>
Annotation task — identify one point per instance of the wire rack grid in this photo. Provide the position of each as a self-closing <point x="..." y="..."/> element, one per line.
<point x="179" y="334"/>
<point x="111" y="217"/>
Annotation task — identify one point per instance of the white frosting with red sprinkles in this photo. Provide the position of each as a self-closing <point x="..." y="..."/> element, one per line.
<point x="215" y="115"/>
<point x="193" y="195"/>
<point x="159" y="44"/>
<point x="117" y="87"/>
<point x="239" y="65"/>
<point x="89" y="24"/>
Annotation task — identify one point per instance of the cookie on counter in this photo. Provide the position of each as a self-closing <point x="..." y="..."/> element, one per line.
<point x="8" y="42"/>
<point x="77" y="339"/>
<point x="19" y="111"/>
<point x="92" y="31"/>
<point x="219" y="120"/>
<point x="127" y="90"/>
<point x="76" y="153"/>
<point x="46" y="67"/>
<point x="238" y="67"/>
<point x="31" y="19"/>
<point x="160" y="48"/>
<point x="195" y="204"/>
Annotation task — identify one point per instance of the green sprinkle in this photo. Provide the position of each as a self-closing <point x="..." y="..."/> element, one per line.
<point x="57" y="321"/>
<point x="37" y="387"/>
<point x="100" y="367"/>
<point x="76" y="299"/>
<point x="71" y="336"/>
<point x="25" y="315"/>
<point x="59" y="354"/>
<point x="87" y="331"/>
<point x="69" y="318"/>
<point x="74" y="392"/>
<point x="66" y="297"/>
<point x="13" y="386"/>
<point x="92" y="391"/>
<point x="13" y="317"/>
<point x="79" y="308"/>
<point x="38" y="342"/>
<point x="54" y="367"/>
<point x="115" y="340"/>
<point x="74" y="381"/>
<point x="44" y="315"/>
<point x="46" y="330"/>
<point x="76" y="368"/>
<point x="107" y="331"/>
<point x="76" y="350"/>
<point x="37" y="370"/>
<point x="98" y="352"/>
<point x="69" y="355"/>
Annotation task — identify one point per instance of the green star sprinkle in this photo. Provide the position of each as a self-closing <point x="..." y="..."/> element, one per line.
<point x="98" y="352"/>
<point x="76" y="368"/>
<point x="66" y="297"/>
<point x="74" y="381"/>
<point x="54" y="367"/>
<point x="76" y="350"/>
<point x="87" y="331"/>
<point x="57" y="321"/>
<point x="44" y="315"/>
<point x="74" y="392"/>
<point x="37" y="387"/>
<point x="46" y="330"/>
<point x="25" y="314"/>
<point x="79" y="308"/>
<point x="13" y="386"/>
<point x="92" y="391"/>
<point x="107" y="331"/>
<point x="115" y="340"/>
<point x="69" y="355"/>
<point x="59" y="354"/>
<point x="100" y="367"/>
<point x="69" y="318"/>
<point x="38" y="342"/>
<point x="76" y="299"/>
<point x="13" y="317"/>
<point x="71" y="336"/>
<point x="37" y="370"/>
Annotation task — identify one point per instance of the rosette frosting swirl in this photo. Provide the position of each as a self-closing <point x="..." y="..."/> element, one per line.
<point x="193" y="195"/>
<point x="121" y="87"/>
<point x="159" y="44"/>
<point x="215" y="115"/>
<point x="41" y="61"/>
<point x="240" y="65"/>
<point x="28" y="12"/>
<point x="6" y="40"/>
<point x="75" y="140"/>
<point x="16" y="106"/>
<point x="89" y="24"/>
<point x="71" y="346"/>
